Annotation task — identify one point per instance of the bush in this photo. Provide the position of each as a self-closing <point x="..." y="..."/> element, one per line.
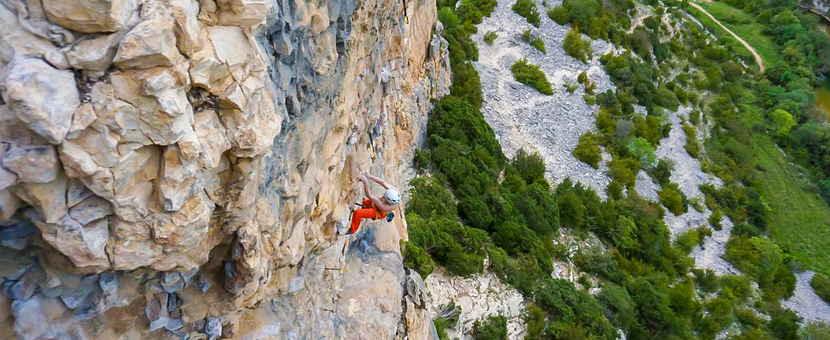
<point x="692" y="143"/>
<point x="536" y="42"/>
<point x="576" y="47"/>
<point x="494" y="328"/>
<point x="821" y="284"/>
<point x="459" y="248"/>
<point x="527" y="9"/>
<point x="571" y="88"/>
<point x="673" y="199"/>
<point x="558" y="14"/>
<point x="587" y="150"/>
<point x="624" y="170"/>
<point x="815" y="331"/>
<point x="643" y="151"/>
<point x="417" y="258"/>
<point x="715" y="219"/>
<point x="530" y="75"/>
<point x="490" y="37"/>
<point x="666" y="98"/>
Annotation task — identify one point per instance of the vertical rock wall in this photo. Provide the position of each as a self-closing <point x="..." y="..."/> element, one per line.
<point x="174" y="167"/>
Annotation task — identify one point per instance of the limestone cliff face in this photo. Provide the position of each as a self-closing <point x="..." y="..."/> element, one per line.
<point x="176" y="167"/>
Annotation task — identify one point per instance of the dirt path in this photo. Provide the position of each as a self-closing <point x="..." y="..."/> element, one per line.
<point x="758" y="59"/>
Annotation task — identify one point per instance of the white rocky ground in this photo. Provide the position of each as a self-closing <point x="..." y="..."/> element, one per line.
<point x="523" y="117"/>
<point x="478" y="296"/>
<point x="805" y="301"/>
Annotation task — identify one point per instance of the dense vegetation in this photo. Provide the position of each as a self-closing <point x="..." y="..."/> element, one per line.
<point x="577" y="47"/>
<point x="527" y="9"/>
<point x="479" y="204"/>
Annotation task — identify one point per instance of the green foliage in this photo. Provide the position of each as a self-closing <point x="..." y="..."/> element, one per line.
<point x="587" y="150"/>
<point x="459" y="248"/>
<point x="417" y="258"/>
<point x="422" y="159"/>
<point x="784" y="325"/>
<point x="572" y="308"/>
<point x="688" y="240"/>
<point x="494" y="328"/>
<point x="571" y="88"/>
<point x="490" y="37"/>
<point x="558" y="14"/>
<point x="815" y="331"/>
<point x="534" y="318"/>
<point x="527" y="9"/>
<point x="692" y="143"/>
<point x="536" y="42"/>
<point x="715" y="219"/>
<point x="624" y="170"/>
<point x="782" y="122"/>
<point x="441" y="328"/>
<point x="576" y="47"/>
<point x="640" y="149"/>
<point x="530" y="75"/>
<point x="821" y="284"/>
<point x="666" y="98"/>
<point x="673" y="199"/>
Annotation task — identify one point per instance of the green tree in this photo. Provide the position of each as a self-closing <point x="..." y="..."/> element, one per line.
<point x="642" y="150"/>
<point x="494" y="328"/>
<point x="527" y="9"/>
<point x="821" y="284"/>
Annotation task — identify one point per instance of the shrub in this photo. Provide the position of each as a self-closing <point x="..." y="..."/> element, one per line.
<point x="527" y="9"/>
<point x="673" y="199"/>
<point x="815" y="331"/>
<point x="662" y="172"/>
<point x="715" y="219"/>
<point x="494" y="328"/>
<point x="666" y="98"/>
<point x="624" y="170"/>
<point x="417" y="258"/>
<point x="821" y="284"/>
<point x="430" y="198"/>
<point x="558" y="14"/>
<point x="643" y="151"/>
<point x="490" y="37"/>
<point x="571" y="88"/>
<point x="782" y="122"/>
<point x="784" y="325"/>
<point x="459" y="248"/>
<point x="692" y="143"/>
<point x="576" y="47"/>
<point x="530" y="75"/>
<point x="589" y="99"/>
<point x="536" y="42"/>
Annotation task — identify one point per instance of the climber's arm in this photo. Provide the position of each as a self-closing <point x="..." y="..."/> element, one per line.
<point x="382" y="183"/>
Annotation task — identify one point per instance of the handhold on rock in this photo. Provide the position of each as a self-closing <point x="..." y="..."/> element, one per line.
<point x="156" y="312"/>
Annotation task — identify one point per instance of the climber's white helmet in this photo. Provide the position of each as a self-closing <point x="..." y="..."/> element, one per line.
<point x="392" y="196"/>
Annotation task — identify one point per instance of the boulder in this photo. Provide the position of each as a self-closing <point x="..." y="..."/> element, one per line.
<point x="33" y="164"/>
<point x="90" y="16"/>
<point x="149" y="44"/>
<point x="95" y="54"/>
<point x="42" y="97"/>
<point x="22" y="42"/>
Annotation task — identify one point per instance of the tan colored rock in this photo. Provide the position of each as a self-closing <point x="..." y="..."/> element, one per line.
<point x="119" y="116"/>
<point x="185" y="228"/>
<point x="251" y="131"/>
<point x="90" y="16"/>
<point x="84" y="115"/>
<point x="95" y="54"/>
<point x="22" y="42"/>
<point x="232" y="48"/>
<point x="132" y="246"/>
<point x="187" y="28"/>
<point x="215" y="142"/>
<point x="149" y="44"/>
<point x="242" y="12"/>
<point x="42" y="97"/>
<point x="32" y="164"/>
<point x="76" y="161"/>
<point x="9" y="203"/>
<point x="141" y="165"/>
<point x="179" y="180"/>
<point x="314" y="15"/>
<point x="85" y="245"/>
<point x="90" y="209"/>
<point x="7" y="178"/>
<point x="208" y="72"/>
<point x="323" y="52"/>
<point x="48" y="199"/>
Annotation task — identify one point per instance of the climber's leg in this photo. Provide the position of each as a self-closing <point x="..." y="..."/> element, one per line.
<point x="360" y="214"/>
<point x="367" y="204"/>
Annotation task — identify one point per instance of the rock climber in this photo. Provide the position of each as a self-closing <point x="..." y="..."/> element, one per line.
<point x="375" y="207"/>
